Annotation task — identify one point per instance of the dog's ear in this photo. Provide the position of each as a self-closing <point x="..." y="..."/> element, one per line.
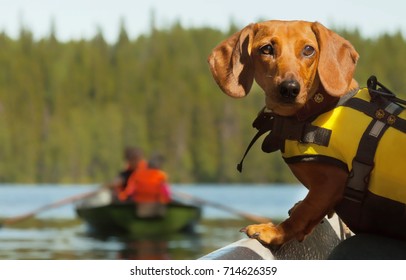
<point x="337" y="61"/>
<point x="231" y="64"/>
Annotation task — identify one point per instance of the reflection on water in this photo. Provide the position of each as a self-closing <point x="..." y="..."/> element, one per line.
<point x="52" y="240"/>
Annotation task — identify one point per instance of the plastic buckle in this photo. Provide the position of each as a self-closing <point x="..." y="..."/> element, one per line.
<point x="358" y="180"/>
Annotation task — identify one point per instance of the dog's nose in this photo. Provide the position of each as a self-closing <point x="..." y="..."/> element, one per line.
<point x="289" y="89"/>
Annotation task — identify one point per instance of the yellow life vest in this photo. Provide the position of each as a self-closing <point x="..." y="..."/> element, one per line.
<point x="347" y="126"/>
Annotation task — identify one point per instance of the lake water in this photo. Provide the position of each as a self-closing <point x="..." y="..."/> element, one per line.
<point x="58" y="234"/>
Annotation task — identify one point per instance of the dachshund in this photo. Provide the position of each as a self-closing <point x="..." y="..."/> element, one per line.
<point x="297" y="64"/>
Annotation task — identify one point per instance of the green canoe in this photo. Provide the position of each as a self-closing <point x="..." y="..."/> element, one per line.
<point x="121" y="219"/>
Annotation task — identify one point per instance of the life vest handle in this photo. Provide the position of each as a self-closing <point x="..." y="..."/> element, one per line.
<point x="383" y="91"/>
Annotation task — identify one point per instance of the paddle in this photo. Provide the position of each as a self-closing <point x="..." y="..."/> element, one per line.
<point x="74" y="198"/>
<point x="56" y="204"/>
<point x="223" y="207"/>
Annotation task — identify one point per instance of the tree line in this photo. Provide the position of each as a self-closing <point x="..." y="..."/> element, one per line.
<point x="68" y="109"/>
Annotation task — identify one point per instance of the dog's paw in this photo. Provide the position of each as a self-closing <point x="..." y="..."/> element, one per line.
<point x="267" y="234"/>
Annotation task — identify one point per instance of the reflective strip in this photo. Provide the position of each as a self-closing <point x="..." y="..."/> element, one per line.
<point x="392" y="107"/>
<point x="377" y="129"/>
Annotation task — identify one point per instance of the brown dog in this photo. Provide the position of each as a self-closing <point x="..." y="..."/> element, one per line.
<point x="293" y="62"/>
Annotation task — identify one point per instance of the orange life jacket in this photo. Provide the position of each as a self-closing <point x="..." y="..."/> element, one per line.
<point x="148" y="185"/>
<point x="121" y="191"/>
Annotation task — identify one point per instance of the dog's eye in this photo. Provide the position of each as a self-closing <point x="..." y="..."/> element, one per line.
<point x="308" y="51"/>
<point x="267" y="50"/>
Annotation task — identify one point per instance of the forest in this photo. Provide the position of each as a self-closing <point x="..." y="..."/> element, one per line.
<point x="68" y="109"/>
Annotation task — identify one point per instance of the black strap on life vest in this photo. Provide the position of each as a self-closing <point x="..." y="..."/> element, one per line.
<point x="284" y="128"/>
<point x="384" y="113"/>
<point x="376" y="109"/>
<point x="263" y="123"/>
<point x="292" y="129"/>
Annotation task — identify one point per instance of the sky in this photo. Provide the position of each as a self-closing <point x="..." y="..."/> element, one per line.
<point x="76" y="19"/>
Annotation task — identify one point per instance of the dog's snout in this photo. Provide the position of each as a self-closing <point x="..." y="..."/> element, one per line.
<point x="289" y="89"/>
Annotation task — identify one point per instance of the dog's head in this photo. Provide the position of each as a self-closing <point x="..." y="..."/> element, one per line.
<point x="290" y="61"/>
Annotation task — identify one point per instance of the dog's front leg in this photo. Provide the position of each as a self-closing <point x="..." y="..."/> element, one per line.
<point x="325" y="183"/>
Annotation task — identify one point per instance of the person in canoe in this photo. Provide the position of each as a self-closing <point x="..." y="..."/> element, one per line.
<point x="148" y="188"/>
<point x="134" y="158"/>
